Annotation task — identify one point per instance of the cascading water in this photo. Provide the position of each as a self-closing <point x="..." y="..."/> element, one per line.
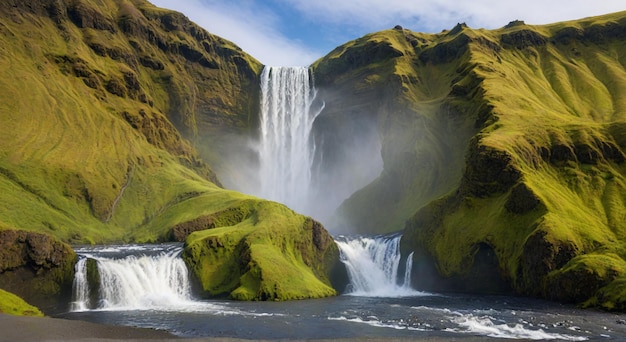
<point x="147" y="281"/>
<point x="80" y="286"/>
<point x="373" y="263"/>
<point x="286" y="150"/>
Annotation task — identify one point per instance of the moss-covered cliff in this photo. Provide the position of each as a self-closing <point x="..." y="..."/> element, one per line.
<point x="396" y="84"/>
<point x="510" y="143"/>
<point x="108" y="111"/>
<point x="94" y="97"/>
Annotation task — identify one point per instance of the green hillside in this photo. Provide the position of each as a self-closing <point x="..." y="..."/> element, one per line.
<point x="102" y="106"/>
<point x="508" y="143"/>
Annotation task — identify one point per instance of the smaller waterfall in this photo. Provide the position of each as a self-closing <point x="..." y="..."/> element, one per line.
<point x="146" y="281"/>
<point x="80" y="286"/>
<point x="407" y="271"/>
<point x="373" y="263"/>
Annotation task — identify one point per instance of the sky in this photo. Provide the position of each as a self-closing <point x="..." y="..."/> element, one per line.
<point x="298" y="32"/>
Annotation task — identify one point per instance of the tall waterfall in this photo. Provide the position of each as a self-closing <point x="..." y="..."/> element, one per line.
<point x="373" y="264"/>
<point x="153" y="280"/>
<point x="286" y="150"/>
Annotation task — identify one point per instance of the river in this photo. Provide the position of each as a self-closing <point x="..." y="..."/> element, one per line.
<point x="148" y="288"/>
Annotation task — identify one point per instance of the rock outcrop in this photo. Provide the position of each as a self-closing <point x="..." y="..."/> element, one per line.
<point x="257" y="254"/>
<point x="38" y="267"/>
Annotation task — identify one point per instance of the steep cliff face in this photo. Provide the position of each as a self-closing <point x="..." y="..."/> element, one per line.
<point x="521" y="153"/>
<point x="102" y="102"/>
<point x="393" y="87"/>
<point x="107" y="110"/>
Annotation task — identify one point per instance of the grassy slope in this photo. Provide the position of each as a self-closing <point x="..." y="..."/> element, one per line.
<point x="97" y="99"/>
<point x="14" y="305"/>
<point x="260" y="245"/>
<point x="510" y="139"/>
<point x="556" y="127"/>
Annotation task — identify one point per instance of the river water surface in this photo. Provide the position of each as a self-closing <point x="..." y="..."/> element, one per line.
<point x="148" y="288"/>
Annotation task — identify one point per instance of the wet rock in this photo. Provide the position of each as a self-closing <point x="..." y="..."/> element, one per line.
<point x="36" y="267"/>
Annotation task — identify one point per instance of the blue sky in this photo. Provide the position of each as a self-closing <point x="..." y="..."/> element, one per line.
<point x="297" y="32"/>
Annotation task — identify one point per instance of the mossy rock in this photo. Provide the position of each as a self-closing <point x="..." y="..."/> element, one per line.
<point x="14" y="305"/>
<point x="36" y="267"/>
<point x="272" y="253"/>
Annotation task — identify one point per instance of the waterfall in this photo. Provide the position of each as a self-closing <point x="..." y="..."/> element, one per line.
<point x="286" y="150"/>
<point x="407" y="271"/>
<point x="373" y="263"/>
<point x="80" y="286"/>
<point x="155" y="280"/>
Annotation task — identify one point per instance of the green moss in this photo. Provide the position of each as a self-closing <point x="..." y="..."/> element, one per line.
<point x="549" y="127"/>
<point x="508" y="138"/>
<point x="77" y="181"/>
<point x="271" y="254"/>
<point x="14" y="305"/>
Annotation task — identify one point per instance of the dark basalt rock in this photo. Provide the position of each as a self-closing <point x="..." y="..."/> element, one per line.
<point x="521" y="200"/>
<point x="541" y="256"/>
<point x="85" y="16"/>
<point x="522" y="39"/>
<point x="446" y="52"/>
<point x="577" y="284"/>
<point x="488" y="171"/>
<point x="181" y="231"/>
<point x="36" y="267"/>
<point x="482" y="276"/>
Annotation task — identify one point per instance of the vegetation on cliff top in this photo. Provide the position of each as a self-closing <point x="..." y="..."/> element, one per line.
<point x="521" y="154"/>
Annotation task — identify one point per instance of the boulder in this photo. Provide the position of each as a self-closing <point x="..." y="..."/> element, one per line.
<point x="36" y="267"/>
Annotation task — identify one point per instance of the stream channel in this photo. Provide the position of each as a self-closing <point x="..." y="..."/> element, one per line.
<point x="149" y="286"/>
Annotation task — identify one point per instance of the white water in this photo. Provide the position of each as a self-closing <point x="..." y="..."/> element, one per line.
<point x="286" y="150"/>
<point x="80" y="286"/>
<point x="135" y="282"/>
<point x="373" y="263"/>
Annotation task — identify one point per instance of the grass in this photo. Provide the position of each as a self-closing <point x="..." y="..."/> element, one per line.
<point x="464" y="106"/>
<point x="14" y="305"/>
<point x="99" y="127"/>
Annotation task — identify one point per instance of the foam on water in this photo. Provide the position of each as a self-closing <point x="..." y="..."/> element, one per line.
<point x="484" y="325"/>
<point x="375" y="322"/>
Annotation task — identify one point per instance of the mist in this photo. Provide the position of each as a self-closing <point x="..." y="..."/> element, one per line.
<point x="303" y="154"/>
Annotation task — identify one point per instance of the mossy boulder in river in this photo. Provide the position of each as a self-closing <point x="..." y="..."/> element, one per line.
<point x="264" y="251"/>
<point x="36" y="267"/>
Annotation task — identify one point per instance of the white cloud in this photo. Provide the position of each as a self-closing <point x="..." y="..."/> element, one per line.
<point x="254" y="25"/>
<point x="249" y="26"/>
<point x="435" y="15"/>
